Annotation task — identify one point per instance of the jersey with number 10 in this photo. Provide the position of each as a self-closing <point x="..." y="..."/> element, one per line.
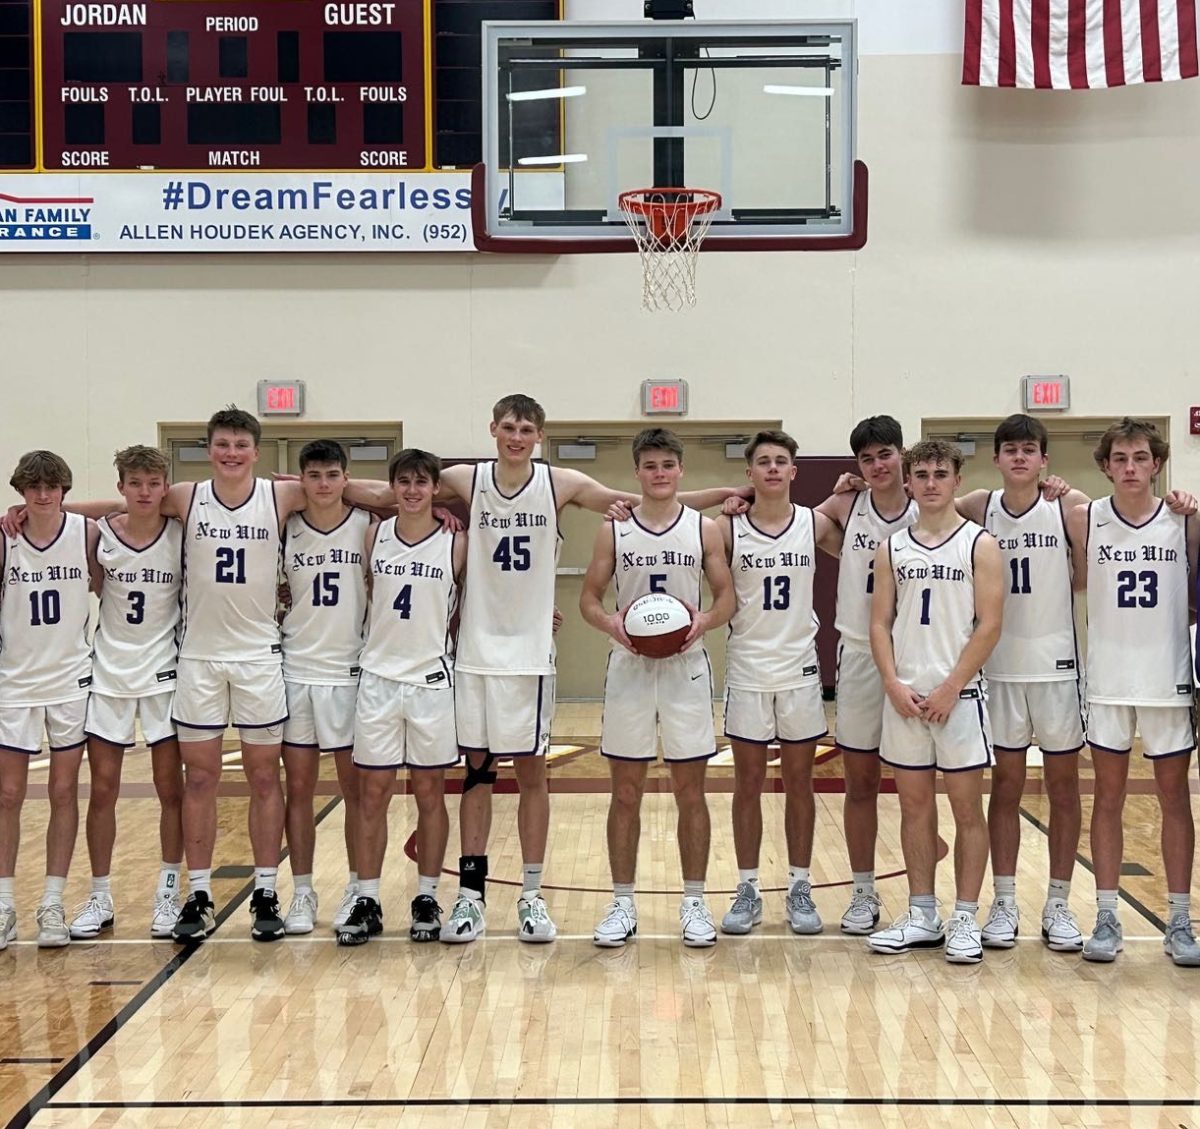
<point x="866" y="529"/>
<point x="512" y="556"/>
<point x="1139" y="648"/>
<point x="230" y="572"/>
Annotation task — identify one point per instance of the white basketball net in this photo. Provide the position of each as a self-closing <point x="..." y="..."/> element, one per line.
<point x="668" y="226"/>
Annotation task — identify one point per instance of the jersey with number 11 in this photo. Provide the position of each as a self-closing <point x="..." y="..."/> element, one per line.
<point x="512" y="555"/>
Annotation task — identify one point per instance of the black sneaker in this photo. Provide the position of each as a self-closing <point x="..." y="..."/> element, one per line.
<point x="196" y="920"/>
<point x="264" y="908"/>
<point x="426" y="919"/>
<point x="365" y="920"/>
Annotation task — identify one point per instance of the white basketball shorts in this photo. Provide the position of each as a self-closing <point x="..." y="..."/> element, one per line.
<point x="320" y="717"/>
<point x="962" y="742"/>
<point x="22" y="727"/>
<point x="507" y="715"/>
<point x="761" y="717"/>
<point x="1051" y="712"/>
<point x="643" y="697"/>
<point x="399" y="724"/>
<point x="211" y="695"/>
<point x="112" y="719"/>
<point x="1166" y="731"/>
<point x="859" y="721"/>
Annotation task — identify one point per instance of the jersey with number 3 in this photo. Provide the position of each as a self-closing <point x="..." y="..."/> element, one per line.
<point x="512" y="556"/>
<point x="773" y="633"/>
<point x="137" y="632"/>
<point x="231" y="568"/>
<point x="935" y="604"/>
<point x="1139" y="647"/>
<point x="323" y="629"/>
<point x="44" y="653"/>
<point x="866" y="529"/>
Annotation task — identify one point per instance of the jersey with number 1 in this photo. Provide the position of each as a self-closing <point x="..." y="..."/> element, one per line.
<point x="1139" y="647"/>
<point x="44" y="606"/>
<point x="230" y="572"/>
<point x="512" y="556"/>
<point x="865" y="530"/>
<point x="935" y="605"/>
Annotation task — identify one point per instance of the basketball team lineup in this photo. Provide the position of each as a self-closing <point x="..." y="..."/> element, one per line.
<point x="330" y="615"/>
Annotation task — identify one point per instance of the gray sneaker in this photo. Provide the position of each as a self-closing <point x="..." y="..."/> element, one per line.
<point x="8" y="924"/>
<point x="1106" y="940"/>
<point x="1179" y="943"/>
<point x="801" y="911"/>
<point x="746" y="911"/>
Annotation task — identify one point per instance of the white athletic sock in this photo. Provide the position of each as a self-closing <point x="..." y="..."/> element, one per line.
<point x="1058" y="890"/>
<point x="925" y="903"/>
<point x="623" y="890"/>
<point x="369" y="888"/>
<point x="799" y="874"/>
<point x="961" y="906"/>
<point x="750" y="876"/>
<point x="1106" y="900"/>
<point x="1005" y="886"/>
<point x="7" y="895"/>
<point x="102" y="884"/>
<point x="265" y="878"/>
<point x="1179" y="905"/>
<point x="168" y="879"/>
<point x="427" y="885"/>
<point x="531" y="878"/>
<point x="200" y="880"/>
<point x="52" y="891"/>
<point x="302" y="882"/>
<point x="693" y="887"/>
<point x="352" y="880"/>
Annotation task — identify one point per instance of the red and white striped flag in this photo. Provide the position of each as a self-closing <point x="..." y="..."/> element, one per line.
<point x="1078" y="44"/>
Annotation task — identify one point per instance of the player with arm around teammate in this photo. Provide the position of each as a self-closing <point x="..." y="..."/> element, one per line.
<point x="1135" y="567"/>
<point x="935" y="617"/>
<point x="772" y="679"/>
<point x="45" y="673"/>
<point x="664" y="546"/>
<point x="405" y="715"/>
<point x="325" y="570"/>
<point x="135" y="652"/>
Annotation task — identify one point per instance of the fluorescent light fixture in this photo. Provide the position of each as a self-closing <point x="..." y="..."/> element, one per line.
<point x="549" y="92"/>
<point x="800" y="91"/>
<point x="555" y="159"/>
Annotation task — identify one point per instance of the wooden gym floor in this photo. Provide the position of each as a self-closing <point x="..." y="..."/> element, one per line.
<point x="767" y="1030"/>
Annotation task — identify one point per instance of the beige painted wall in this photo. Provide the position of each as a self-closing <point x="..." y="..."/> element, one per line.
<point x="1011" y="232"/>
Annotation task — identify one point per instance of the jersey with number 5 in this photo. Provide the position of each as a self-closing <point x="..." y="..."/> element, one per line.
<point x="866" y="529"/>
<point x="935" y="604"/>
<point x="413" y="596"/>
<point x="1139" y="648"/>
<point x="230" y="572"/>
<point x="669" y="560"/>
<point x="512" y="556"/>
<point x="137" y="632"/>
<point x="323" y="629"/>
<point x="44" y="653"/>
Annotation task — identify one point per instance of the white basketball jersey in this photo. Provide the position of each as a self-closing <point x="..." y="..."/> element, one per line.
<point x="671" y="561"/>
<point x="413" y="596"/>
<point x="935" y="605"/>
<point x="866" y="529"/>
<point x="1139" y="647"/>
<point x="44" y="654"/>
<point x="136" y="645"/>
<point x="323" y="629"/>
<point x="1037" y="643"/>
<point x="231" y="567"/>
<point x="512" y="554"/>
<point x="773" y="633"/>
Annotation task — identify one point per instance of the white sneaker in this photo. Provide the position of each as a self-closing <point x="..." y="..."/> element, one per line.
<point x="8" y="925"/>
<point x="342" y="914"/>
<point x="912" y="930"/>
<point x="1000" y="929"/>
<point x="302" y="913"/>
<point x="1060" y="929"/>
<point x="166" y="913"/>
<point x="92" y="918"/>
<point x="696" y="924"/>
<point x="466" y="921"/>
<point x="964" y="939"/>
<point x="862" y="914"/>
<point x="534" y="923"/>
<point x="618" y="925"/>
<point x="52" y="927"/>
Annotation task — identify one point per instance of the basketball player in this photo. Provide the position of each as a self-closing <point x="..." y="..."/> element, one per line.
<point x="323" y="564"/>
<point x="1139" y="673"/>
<point x="504" y="669"/>
<point x="664" y="546"/>
<point x="406" y="699"/>
<point x="772" y="679"/>
<point x="45" y="672"/>
<point x="935" y="617"/>
<point x="134" y="656"/>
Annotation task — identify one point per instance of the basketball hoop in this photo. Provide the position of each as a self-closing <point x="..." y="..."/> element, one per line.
<point x="669" y="224"/>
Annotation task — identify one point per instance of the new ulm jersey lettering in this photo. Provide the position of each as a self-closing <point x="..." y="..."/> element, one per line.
<point x="866" y="529"/>
<point x="670" y="561"/>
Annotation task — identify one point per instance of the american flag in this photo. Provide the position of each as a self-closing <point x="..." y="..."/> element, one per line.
<point x="1078" y="44"/>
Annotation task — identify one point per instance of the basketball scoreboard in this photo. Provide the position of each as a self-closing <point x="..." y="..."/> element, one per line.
<point x="214" y="125"/>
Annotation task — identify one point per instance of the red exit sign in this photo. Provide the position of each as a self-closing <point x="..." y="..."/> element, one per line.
<point x="664" y="397"/>
<point x="1046" y="393"/>
<point x="280" y="397"/>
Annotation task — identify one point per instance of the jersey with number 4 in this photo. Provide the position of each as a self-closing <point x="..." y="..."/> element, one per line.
<point x="512" y="556"/>
<point x="413" y="596"/>
<point x="230" y="570"/>
<point x="323" y="629"/>
<point x="866" y="529"/>
<point x="137" y="633"/>
<point x="773" y="633"/>
<point x="1037" y="643"/>
<point x="1139" y="647"/>
<point x="44" y="604"/>
<point x="935" y="605"/>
